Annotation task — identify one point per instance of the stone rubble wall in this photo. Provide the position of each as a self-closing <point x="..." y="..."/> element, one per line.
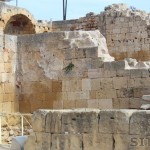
<point x="86" y="129"/>
<point x="126" y="30"/>
<point x="92" y="82"/>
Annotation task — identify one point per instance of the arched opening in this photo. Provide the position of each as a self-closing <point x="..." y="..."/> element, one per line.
<point x="19" y="24"/>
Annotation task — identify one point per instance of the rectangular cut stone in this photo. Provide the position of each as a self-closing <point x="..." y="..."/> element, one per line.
<point x="120" y="82"/>
<point x="113" y="122"/>
<point x="80" y="122"/>
<point x="98" y="141"/>
<point x="105" y="104"/>
<point x="86" y="84"/>
<point x="66" y="142"/>
<point x="53" y="122"/>
<point x="38" y="120"/>
<point x="139" y="123"/>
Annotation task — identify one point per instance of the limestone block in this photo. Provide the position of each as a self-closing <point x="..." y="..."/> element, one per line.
<point x="108" y="73"/>
<point x="124" y="103"/>
<point x="101" y="94"/>
<point x="69" y="104"/>
<point x="95" y="84"/>
<point x="53" y="122"/>
<point x="93" y="94"/>
<point x="66" y="85"/>
<point x="142" y="82"/>
<point x="139" y="123"/>
<point x="2" y="69"/>
<point x="106" y="83"/>
<point x="35" y="104"/>
<point x="75" y="85"/>
<point x="38" y="120"/>
<point x="86" y="84"/>
<point x="135" y="103"/>
<point x="98" y="141"/>
<point x="110" y="93"/>
<point x="93" y="103"/>
<point x="43" y="141"/>
<point x="140" y="91"/>
<point x="56" y="86"/>
<point x="74" y="95"/>
<point x="31" y="144"/>
<point x="121" y="141"/>
<point x="113" y="122"/>
<point x="136" y="73"/>
<point x="66" y="142"/>
<point x="84" y="95"/>
<point x="80" y="122"/>
<point x="7" y="107"/>
<point x="81" y="104"/>
<point x="125" y="92"/>
<point x="123" y="73"/>
<point x="105" y="104"/>
<point x="91" y="52"/>
<point x="146" y="97"/>
<point x="120" y="82"/>
<point x="93" y="73"/>
<point x="58" y="105"/>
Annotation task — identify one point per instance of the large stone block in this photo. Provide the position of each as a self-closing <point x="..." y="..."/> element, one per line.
<point x="113" y="122"/>
<point x="38" y="120"/>
<point x="139" y="123"/>
<point x="98" y="141"/>
<point x="80" y="121"/>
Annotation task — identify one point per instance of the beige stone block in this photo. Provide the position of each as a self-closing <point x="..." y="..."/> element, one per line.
<point x="9" y="97"/>
<point x="7" y="107"/>
<point x="110" y="93"/>
<point x="95" y="84"/>
<point x="66" y="85"/>
<point x="2" y="68"/>
<point x="135" y="103"/>
<point x="116" y="103"/>
<point x="56" y="86"/>
<point x="98" y="141"/>
<point x="62" y="96"/>
<point x="31" y="144"/>
<point x="139" y="123"/>
<point x="36" y="104"/>
<point x="8" y="67"/>
<point x="101" y="94"/>
<point x="53" y="122"/>
<point x="58" y="104"/>
<point x="50" y="96"/>
<point x="1" y="98"/>
<point x="43" y="141"/>
<point x="66" y="142"/>
<point x="124" y="103"/>
<point x="75" y="85"/>
<point x="120" y="82"/>
<point x="86" y="84"/>
<point x="106" y="83"/>
<point x="93" y="94"/>
<point x="73" y="95"/>
<point x="94" y="103"/>
<point x="113" y="122"/>
<point x="84" y="95"/>
<point x="9" y="88"/>
<point x="105" y="104"/>
<point x="80" y="121"/>
<point x="68" y="104"/>
<point x="81" y="104"/>
<point x="38" y="120"/>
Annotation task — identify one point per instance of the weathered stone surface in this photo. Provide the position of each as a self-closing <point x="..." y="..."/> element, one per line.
<point x="80" y="121"/>
<point x="113" y="122"/>
<point x="64" y="141"/>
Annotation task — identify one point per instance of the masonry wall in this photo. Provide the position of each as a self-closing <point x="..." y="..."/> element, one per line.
<point x="90" y="83"/>
<point x="126" y="30"/>
<point x="89" y="129"/>
<point x="8" y="77"/>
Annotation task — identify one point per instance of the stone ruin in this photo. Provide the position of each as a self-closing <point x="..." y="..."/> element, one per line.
<point x="96" y="62"/>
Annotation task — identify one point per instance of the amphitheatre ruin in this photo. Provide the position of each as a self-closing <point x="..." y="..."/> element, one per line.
<point x="82" y="82"/>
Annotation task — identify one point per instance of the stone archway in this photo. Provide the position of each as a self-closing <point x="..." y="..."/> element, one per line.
<point x="19" y="24"/>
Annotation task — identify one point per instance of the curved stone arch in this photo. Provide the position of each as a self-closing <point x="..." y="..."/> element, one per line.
<point x="18" y="17"/>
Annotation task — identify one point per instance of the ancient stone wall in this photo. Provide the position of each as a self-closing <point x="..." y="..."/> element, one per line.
<point x="89" y="129"/>
<point x="126" y="30"/>
<point x="8" y="77"/>
<point x="63" y="70"/>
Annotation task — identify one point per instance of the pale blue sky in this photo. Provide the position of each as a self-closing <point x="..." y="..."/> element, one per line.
<point x="52" y="9"/>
